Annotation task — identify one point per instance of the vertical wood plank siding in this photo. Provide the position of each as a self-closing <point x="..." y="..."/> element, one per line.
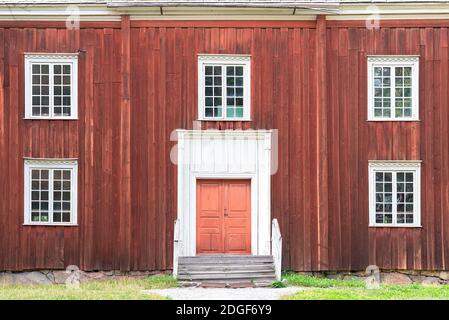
<point x="315" y="97"/>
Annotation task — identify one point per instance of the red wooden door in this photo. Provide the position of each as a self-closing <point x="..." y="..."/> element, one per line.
<point x="223" y="217"/>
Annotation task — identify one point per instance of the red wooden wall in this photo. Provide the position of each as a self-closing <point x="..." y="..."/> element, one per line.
<point x="355" y="141"/>
<point x="93" y="139"/>
<point x="138" y="84"/>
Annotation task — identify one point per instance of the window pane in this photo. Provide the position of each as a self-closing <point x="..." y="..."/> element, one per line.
<point x="239" y="112"/>
<point x="407" y="71"/>
<point x="61" y="89"/>
<point x="239" y="71"/>
<point x="66" y="217"/>
<point x="40" y="91"/>
<point x="39" y="195"/>
<point x="403" y="92"/>
<point x="61" y="194"/>
<point x="234" y="91"/>
<point x="57" y="217"/>
<point x="66" y="69"/>
<point x="383" y="198"/>
<point x="382" y="92"/>
<point x="44" y="216"/>
<point x="36" y="68"/>
<point x="377" y="71"/>
<point x="213" y="91"/>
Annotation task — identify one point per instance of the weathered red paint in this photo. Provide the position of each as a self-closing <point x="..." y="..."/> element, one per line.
<point x="308" y="81"/>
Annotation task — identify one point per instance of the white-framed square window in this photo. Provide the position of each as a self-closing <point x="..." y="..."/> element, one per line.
<point x="394" y="193"/>
<point x="393" y="88"/>
<point x="224" y="87"/>
<point x="51" y="86"/>
<point x="50" y="192"/>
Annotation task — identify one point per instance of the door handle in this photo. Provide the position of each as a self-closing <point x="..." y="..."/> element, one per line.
<point x="226" y="212"/>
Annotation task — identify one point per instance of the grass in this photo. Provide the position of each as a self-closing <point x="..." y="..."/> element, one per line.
<point x="333" y="289"/>
<point x="300" y="280"/>
<point x="118" y="289"/>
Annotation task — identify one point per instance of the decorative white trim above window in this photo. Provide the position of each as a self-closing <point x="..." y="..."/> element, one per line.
<point x="394" y="193"/>
<point x="224" y="87"/>
<point x="393" y="88"/>
<point x="50" y="192"/>
<point x="51" y="86"/>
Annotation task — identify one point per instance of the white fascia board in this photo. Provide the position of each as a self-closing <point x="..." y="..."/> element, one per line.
<point x="58" y="12"/>
<point x="388" y="11"/>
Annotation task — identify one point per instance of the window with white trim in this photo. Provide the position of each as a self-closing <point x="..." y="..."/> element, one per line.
<point x="393" y="88"/>
<point x="224" y="87"/>
<point x="50" y="192"/>
<point x="51" y="86"/>
<point x="394" y="193"/>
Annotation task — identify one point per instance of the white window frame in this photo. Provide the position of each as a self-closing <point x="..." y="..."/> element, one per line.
<point x="56" y="164"/>
<point x="51" y="58"/>
<point x="392" y="165"/>
<point x="223" y="60"/>
<point x="394" y="61"/>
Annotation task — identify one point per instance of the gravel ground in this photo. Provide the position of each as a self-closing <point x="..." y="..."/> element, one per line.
<point x="225" y="293"/>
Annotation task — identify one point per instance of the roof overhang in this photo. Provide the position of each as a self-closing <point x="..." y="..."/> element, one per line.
<point x="91" y="10"/>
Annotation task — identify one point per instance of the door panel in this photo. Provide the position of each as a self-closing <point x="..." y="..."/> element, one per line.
<point x="223" y="216"/>
<point x="237" y="217"/>
<point x="209" y="217"/>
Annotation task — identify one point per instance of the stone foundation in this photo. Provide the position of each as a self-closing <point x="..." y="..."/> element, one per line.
<point x="390" y="276"/>
<point x="60" y="276"/>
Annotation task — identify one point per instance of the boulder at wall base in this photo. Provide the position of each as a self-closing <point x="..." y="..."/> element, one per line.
<point x="426" y="280"/>
<point x="7" y="278"/>
<point x="395" y="278"/>
<point x="444" y="275"/>
<point x="33" y="277"/>
<point x="60" y="276"/>
<point x="431" y="281"/>
<point x="36" y="277"/>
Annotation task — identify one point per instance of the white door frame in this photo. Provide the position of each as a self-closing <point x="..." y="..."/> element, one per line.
<point x="228" y="154"/>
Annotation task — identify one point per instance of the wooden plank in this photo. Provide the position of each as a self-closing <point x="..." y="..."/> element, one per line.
<point x="322" y="145"/>
<point x="125" y="149"/>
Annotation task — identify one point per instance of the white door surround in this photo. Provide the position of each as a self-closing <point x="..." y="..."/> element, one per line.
<point x="224" y="154"/>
